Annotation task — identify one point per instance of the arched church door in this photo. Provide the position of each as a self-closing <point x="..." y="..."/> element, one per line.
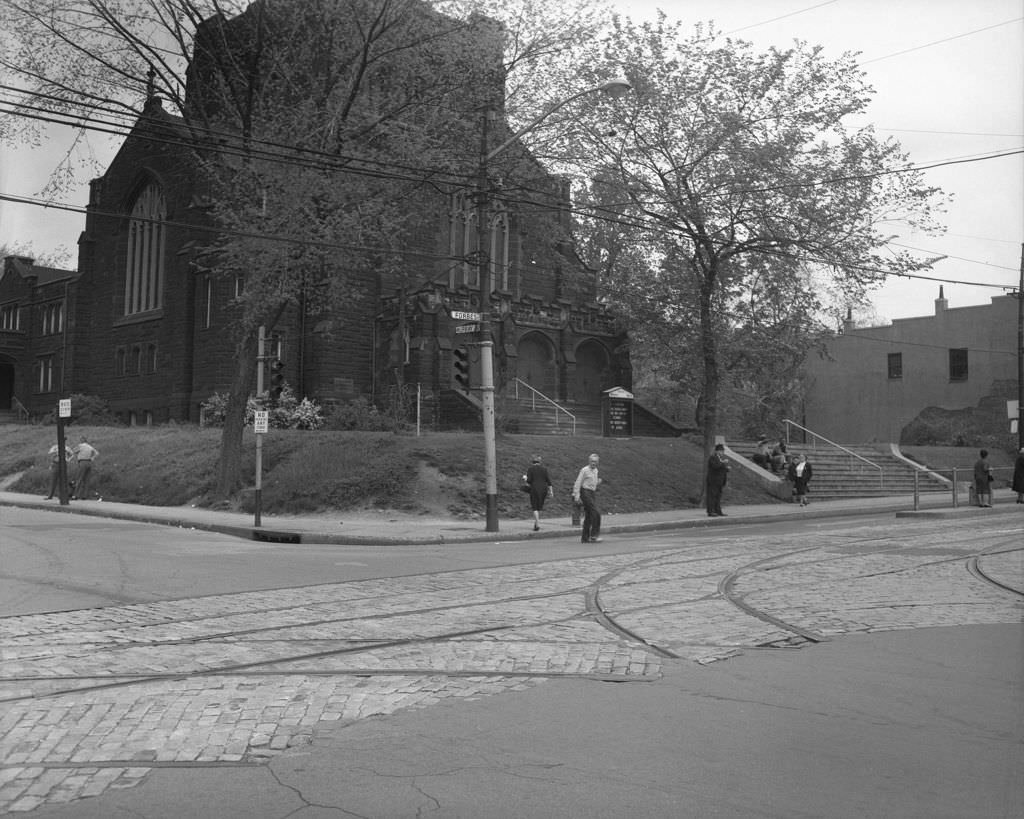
<point x="536" y="364"/>
<point x="591" y="372"/>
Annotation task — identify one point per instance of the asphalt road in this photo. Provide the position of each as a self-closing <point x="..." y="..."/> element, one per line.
<point x="835" y="668"/>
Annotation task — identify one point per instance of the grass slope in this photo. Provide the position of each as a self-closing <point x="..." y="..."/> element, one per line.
<point x="321" y="472"/>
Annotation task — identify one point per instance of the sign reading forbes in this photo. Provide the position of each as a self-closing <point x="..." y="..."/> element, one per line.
<point x="617" y="413"/>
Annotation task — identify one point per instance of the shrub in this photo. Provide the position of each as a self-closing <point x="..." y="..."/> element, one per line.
<point x="287" y="412"/>
<point x="361" y="415"/>
<point x="87" y="410"/>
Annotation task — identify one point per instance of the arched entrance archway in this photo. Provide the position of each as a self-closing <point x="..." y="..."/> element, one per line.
<point x="536" y="363"/>
<point x="592" y="367"/>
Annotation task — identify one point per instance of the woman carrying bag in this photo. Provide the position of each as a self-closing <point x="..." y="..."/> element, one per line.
<point x="538" y="482"/>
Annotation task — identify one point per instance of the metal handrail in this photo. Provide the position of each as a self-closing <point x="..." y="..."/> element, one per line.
<point x="535" y="394"/>
<point x="23" y="413"/>
<point x="851" y="453"/>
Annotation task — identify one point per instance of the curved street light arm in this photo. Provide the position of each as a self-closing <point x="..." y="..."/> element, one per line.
<point x="614" y="88"/>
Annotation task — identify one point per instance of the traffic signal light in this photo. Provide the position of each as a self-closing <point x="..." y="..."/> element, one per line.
<point x="460" y="369"/>
<point x="276" y="378"/>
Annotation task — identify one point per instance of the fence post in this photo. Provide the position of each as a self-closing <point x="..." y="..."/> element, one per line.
<point x="956" y="500"/>
<point x="917" y="491"/>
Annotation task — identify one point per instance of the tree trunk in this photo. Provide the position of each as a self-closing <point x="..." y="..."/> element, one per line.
<point x="709" y="355"/>
<point x="229" y="478"/>
<point x="709" y="397"/>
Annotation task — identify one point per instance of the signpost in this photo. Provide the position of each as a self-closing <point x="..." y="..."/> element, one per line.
<point x="63" y="411"/>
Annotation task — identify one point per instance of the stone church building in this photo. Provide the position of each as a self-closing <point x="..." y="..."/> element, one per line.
<point x="144" y="324"/>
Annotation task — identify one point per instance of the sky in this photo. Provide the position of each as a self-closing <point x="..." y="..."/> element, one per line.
<point x="949" y="81"/>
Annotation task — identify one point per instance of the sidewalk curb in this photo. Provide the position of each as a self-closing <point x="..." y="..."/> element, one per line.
<point x="284" y="534"/>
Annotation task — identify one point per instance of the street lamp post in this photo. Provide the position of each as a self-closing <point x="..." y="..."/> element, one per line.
<point x="615" y="88"/>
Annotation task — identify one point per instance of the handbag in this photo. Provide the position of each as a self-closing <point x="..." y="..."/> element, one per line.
<point x="524" y="487"/>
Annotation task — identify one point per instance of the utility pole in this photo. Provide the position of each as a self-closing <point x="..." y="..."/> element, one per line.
<point x="1020" y="354"/>
<point x="486" y="343"/>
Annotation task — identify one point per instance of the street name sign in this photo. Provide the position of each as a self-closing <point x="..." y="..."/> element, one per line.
<point x="460" y="315"/>
<point x="467" y="328"/>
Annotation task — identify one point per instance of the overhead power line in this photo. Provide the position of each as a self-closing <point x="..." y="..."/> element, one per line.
<point x="943" y="40"/>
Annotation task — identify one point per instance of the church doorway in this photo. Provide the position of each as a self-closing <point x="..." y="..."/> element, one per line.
<point x="536" y="364"/>
<point x="592" y="370"/>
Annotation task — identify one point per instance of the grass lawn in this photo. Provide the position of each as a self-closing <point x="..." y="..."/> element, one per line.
<point x="313" y="472"/>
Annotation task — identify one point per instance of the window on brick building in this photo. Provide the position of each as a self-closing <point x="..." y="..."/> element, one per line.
<point x="151" y="358"/>
<point x="499" y="249"/>
<point x="895" y="365"/>
<point x="207" y="319"/>
<point x="120" y="361"/>
<point x="135" y="361"/>
<point x="958" y="364"/>
<point x="10" y="316"/>
<point x="45" y="368"/>
<point x="53" y="318"/>
<point x="144" y="268"/>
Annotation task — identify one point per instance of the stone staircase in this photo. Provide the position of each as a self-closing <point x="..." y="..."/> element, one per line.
<point x="839" y="474"/>
<point x="526" y="416"/>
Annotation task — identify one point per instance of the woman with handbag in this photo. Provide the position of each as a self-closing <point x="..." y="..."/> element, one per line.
<point x="538" y="483"/>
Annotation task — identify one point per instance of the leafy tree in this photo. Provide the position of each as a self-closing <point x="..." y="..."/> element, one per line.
<point x="321" y="127"/>
<point x="728" y="185"/>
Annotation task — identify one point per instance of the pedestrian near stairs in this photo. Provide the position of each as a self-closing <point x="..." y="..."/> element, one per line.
<point x="717" y="475"/>
<point x="1018" y="476"/>
<point x="584" y="491"/>
<point x="983" y="479"/>
<point x="800" y="472"/>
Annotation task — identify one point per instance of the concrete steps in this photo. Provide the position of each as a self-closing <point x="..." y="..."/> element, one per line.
<point x="528" y="418"/>
<point x="838" y="474"/>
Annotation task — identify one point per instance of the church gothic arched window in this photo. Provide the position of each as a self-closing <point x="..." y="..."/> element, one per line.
<point x="144" y="268"/>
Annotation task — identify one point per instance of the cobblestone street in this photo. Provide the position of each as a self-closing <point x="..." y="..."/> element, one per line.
<point x="96" y="699"/>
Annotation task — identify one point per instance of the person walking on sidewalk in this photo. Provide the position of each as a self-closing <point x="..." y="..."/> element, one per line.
<point x="85" y="454"/>
<point x="983" y="480"/>
<point x="539" y="481"/>
<point x="718" y="473"/>
<point x="584" y="491"/>
<point x="800" y="474"/>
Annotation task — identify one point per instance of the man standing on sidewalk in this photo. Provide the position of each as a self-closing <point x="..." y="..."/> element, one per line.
<point x="718" y="472"/>
<point x="85" y="454"/>
<point x="585" y="491"/>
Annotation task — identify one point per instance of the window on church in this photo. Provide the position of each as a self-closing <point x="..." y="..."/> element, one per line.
<point x="120" y="359"/>
<point x="144" y="269"/>
<point x="151" y="358"/>
<point x="45" y="374"/>
<point x="463" y="243"/>
<point x="499" y="249"/>
<point x="207" y="302"/>
<point x="135" y="362"/>
<point x="958" y="364"/>
<point x="10" y="317"/>
<point x="53" y="318"/>
<point x="895" y="365"/>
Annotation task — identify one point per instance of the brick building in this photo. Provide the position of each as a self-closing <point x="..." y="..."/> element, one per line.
<point x="952" y="372"/>
<point x="144" y="322"/>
